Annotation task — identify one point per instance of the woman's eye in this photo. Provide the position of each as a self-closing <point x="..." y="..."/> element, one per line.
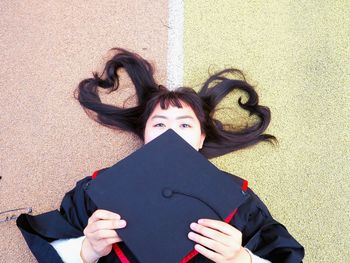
<point x="185" y="125"/>
<point x="159" y="125"/>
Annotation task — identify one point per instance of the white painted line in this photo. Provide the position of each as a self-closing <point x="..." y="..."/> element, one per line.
<point x="175" y="44"/>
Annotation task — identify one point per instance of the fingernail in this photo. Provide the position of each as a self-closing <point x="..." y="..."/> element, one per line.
<point x="122" y="223"/>
<point x="193" y="226"/>
<point x="190" y="235"/>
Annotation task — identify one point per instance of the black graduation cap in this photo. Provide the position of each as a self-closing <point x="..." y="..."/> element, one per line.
<point x="160" y="190"/>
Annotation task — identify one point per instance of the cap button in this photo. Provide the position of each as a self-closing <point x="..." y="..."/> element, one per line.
<point x="167" y="192"/>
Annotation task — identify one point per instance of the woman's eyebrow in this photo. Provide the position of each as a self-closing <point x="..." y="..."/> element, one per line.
<point x="159" y="116"/>
<point x="184" y="117"/>
<point x="178" y="118"/>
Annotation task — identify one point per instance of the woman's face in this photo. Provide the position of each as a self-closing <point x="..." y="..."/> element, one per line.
<point x="182" y="120"/>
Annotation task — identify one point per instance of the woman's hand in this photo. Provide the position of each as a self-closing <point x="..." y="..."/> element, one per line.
<point x="218" y="241"/>
<point x="100" y="235"/>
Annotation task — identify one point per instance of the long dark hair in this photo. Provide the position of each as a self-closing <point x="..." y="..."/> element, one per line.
<point x="219" y="140"/>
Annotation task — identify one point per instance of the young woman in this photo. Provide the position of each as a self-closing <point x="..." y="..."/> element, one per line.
<point x="80" y="232"/>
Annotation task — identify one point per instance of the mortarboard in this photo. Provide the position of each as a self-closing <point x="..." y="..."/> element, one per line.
<point x="159" y="190"/>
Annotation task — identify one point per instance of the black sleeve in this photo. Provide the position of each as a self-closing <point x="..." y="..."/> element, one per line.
<point x="69" y="222"/>
<point x="263" y="235"/>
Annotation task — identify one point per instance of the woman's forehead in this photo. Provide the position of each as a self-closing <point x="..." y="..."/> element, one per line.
<point x="173" y="110"/>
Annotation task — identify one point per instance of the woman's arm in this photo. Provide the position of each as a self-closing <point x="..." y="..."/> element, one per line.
<point x="255" y="258"/>
<point x="263" y="235"/>
<point x="69" y="249"/>
<point x="100" y="235"/>
<point x="78" y="216"/>
<point x="221" y="242"/>
<point x="69" y="222"/>
<point x="97" y="242"/>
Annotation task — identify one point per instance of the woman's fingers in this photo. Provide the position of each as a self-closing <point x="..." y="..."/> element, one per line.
<point x="102" y="225"/>
<point x="208" y="243"/>
<point x="211" y="233"/>
<point x="221" y="226"/>
<point x="101" y="234"/>
<point x="216" y="240"/>
<point x="208" y="253"/>
<point x="106" y="224"/>
<point x="103" y="220"/>
<point x="101" y="214"/>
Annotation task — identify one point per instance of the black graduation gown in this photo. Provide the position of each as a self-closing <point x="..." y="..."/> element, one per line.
<point x="262" y="235"/>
